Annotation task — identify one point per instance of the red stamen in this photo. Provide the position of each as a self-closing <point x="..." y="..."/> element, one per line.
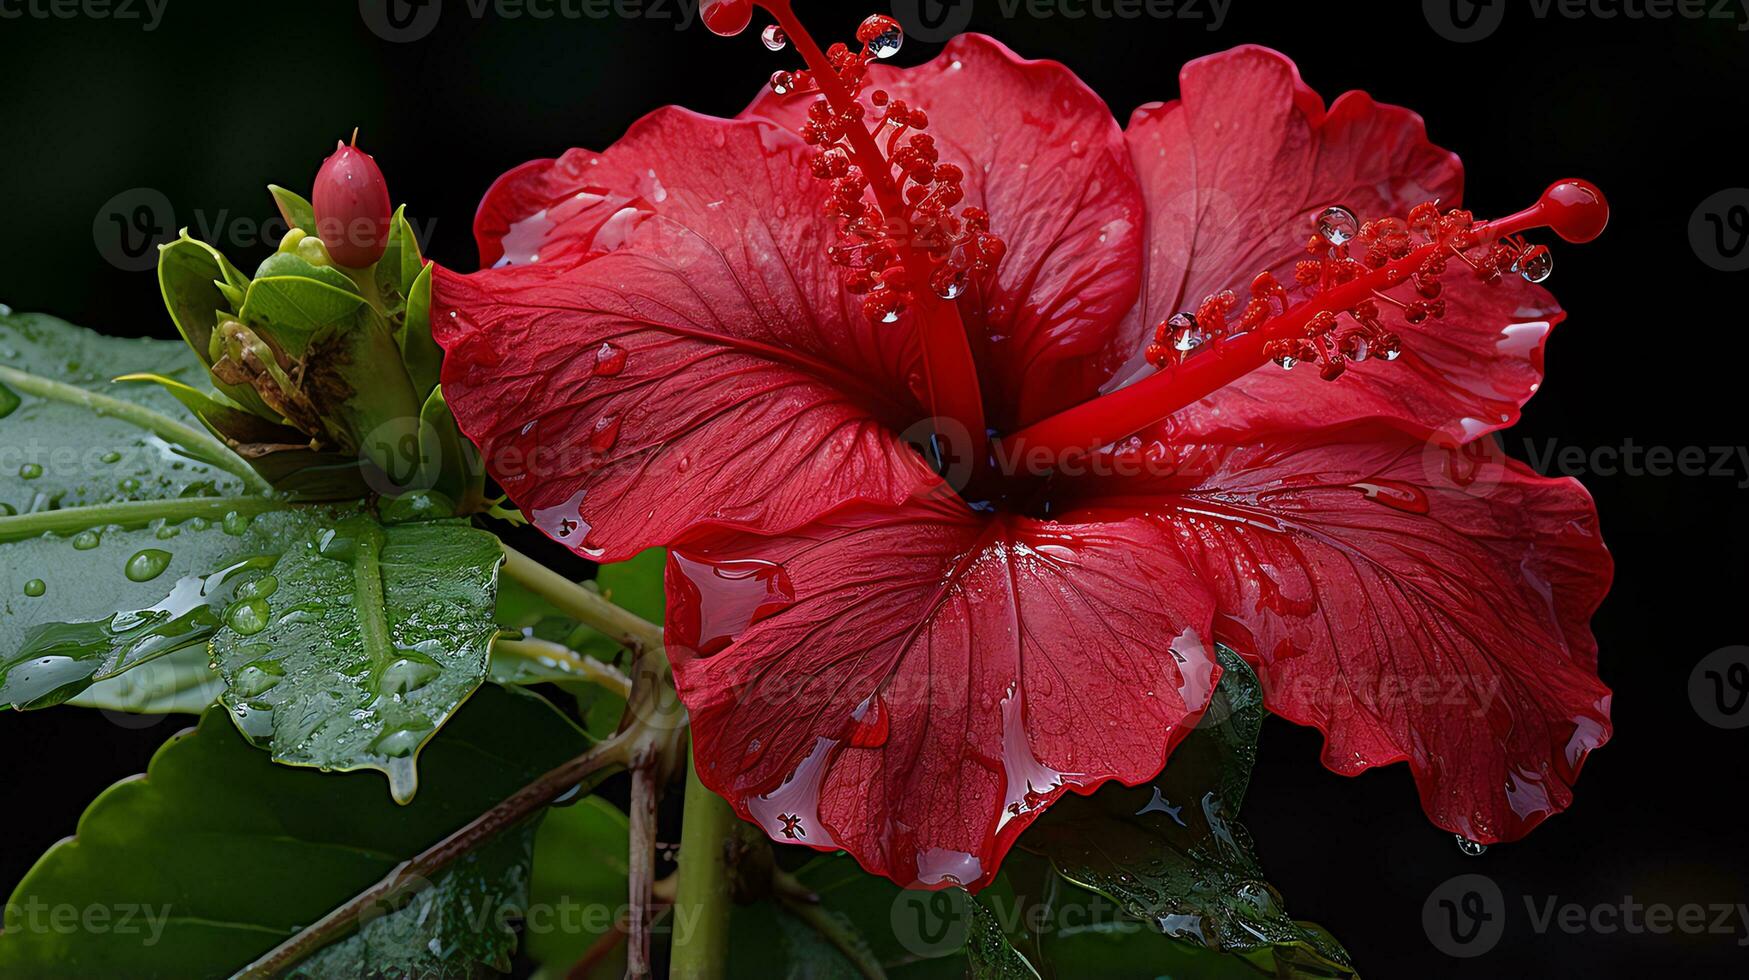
<point x="905" y="251"/>
<point x="1338" y="319"/>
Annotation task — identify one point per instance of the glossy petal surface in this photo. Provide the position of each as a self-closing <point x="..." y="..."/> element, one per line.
<point x="914" y="685"/>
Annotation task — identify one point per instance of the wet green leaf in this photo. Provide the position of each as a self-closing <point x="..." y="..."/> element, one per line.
<point x="359" y="642"/>
<point x="112" y="597"/>
<point x="988" y="952"/>
<point x="218" y="855"/>
<point x="200" y="285"/>
<point x="72" y="438"/>
<point x="176" y="683"/>
<point x="1173" y="854"/>
<point x="457" y="927"/>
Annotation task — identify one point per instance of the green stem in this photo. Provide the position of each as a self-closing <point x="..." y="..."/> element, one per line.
<point x="194" y="440"/>
<point x="584" y="605"/>
<point x="129" y="513"/>
<point x="581" y="666"/>
<point x="702" y="903"/>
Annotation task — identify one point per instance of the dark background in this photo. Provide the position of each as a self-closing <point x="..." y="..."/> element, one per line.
<point x="222" y="98"/>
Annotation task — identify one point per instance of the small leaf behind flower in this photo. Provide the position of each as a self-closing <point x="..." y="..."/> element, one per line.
<point x="1173" y="854"/>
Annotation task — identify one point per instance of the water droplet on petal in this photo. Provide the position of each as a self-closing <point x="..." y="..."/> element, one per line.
<point x="782" y="82"/>
<point x="86" y="540"/>
<point x="610" y="359"/>
<point x="235" y="524"/>
<point x="1337" y="225"/>
<point x="35" y="588"/>
<point x="147" y="565"/>
<point x="30" y="471"/>
<point x="1286" y="361"/>
<point x="773" y="38"/>
<point x="1395" y="494"/>
<point x="715" y="601"/>
<point x="791" y="812"/>
<point x="869" y="724"/>
<point x="605" y="433"/>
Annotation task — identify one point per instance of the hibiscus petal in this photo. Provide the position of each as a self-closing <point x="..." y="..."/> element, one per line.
<point x="686" y="356"/>
<point x="916" y="684"/>
<point x="1044" y="156"/>
<point x="1233" y="173"/>
<point x="1414" y="601"/>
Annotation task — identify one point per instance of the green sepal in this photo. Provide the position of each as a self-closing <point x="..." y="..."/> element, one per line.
<point x="296" y="211"/>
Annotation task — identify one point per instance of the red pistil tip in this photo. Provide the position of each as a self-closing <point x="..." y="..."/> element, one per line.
<point x="1575" y="210"/>
<point x="726" y="17"/>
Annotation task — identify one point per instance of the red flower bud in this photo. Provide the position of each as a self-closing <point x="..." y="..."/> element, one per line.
<point x="351" y="201"/>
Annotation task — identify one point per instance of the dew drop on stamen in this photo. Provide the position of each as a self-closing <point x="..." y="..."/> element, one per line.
<point x="782" y="82"/>
<point x="1286" y="361"/>
<point x="1187" y="334"/>
<point x="773" y="38"/>
<point x="1536" y="264"/>
<point x="887" y="43"/>
<point x="1337" y="225"/>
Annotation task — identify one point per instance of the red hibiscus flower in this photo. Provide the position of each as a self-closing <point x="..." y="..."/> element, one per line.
<point x="763" y="350"/>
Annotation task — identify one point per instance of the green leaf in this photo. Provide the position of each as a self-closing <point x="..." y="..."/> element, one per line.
<point x="579" y="888"/>
<point x="296" y="211"/>
<point x="1172" y="854"/>
<point x="84" y="606"/>
<point x="419" y="351"/>
<point x="462" y="922"/>
<point x="217" y="855"/>
<point x="990" y="955"/>
<point x="176" y="683"/>
<point x="198" y="282"/>
<point x="360" y="642"/>
<point x="71" y="438"/>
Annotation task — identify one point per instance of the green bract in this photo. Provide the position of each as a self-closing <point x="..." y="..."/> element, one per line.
<point x="325" y="379"/>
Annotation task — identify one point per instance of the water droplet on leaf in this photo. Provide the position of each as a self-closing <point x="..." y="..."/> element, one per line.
<point x="147" y="565"/>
